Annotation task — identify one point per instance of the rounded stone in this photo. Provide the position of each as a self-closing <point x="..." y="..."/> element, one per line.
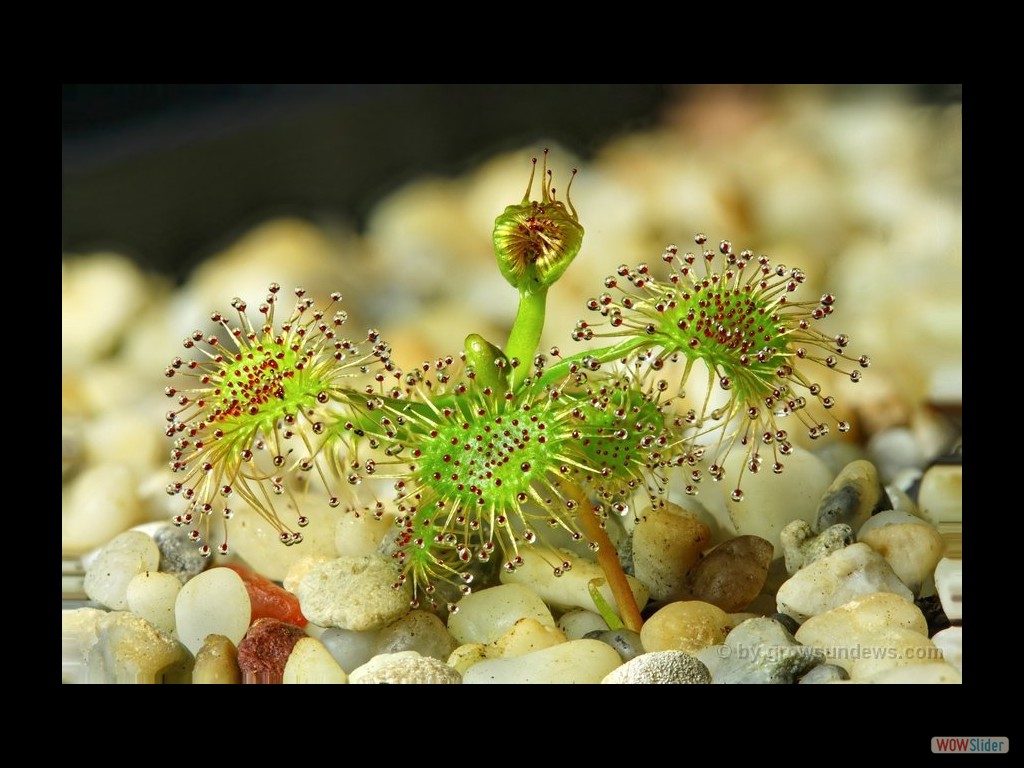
<point x="667" y="543"/>
<point x="732" y="574"/>
<point x="152" y="595"/>
<point x="911" y="546"/>
<point x="685" y="626"/>
<point x="949" y="587"/>
<point x="484" y="616"/>
<point x="574" y="662"/>
<point x="844" y="575"/>
<point x="130" y="650"/>
<point x="264" y="651"/>
<point x="626" y="642"/>
<point x="310" y="663"/>
<point x="217" y="663"/>
<point x="525" y="636"/>
<point x="407" y="667"/>
<point x="179" y="555"/>
<point x="350" y="649"/>
<point x="854" y="496"/>
<point x="353" y="593"/>
<point x="117" y="563"/>
<point x="824" y="673"/>
<point x="101" y="502"/>
<point x="660" y="668"/>
<point x="801" y="546"/>
<point x="578" y="623"/>
<point x="418" y="631"/>
<point x="215" y="602"/>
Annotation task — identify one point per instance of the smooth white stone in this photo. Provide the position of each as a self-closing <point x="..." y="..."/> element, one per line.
<point x="484" y="616"/>
<point x="949" y="587"/>
<point x="353" y="593"/>
<point x="311" y="663"/>
<point x="576" y="624"/>
<point x="836" y="579"/>
<point x="577" y="661"/>
<point x="572" y="588"/>
<point x="152" y="596"/>
<point x="911" y="546"/>
<point x="101" y="503"/>
<point x="350" y="649"/>
<point x="118" y="562"/>
<point x="406" y="667"/>
<point x="941" y="496"/>
<point x="950" y="642"/>
<point x="215" y="602"/>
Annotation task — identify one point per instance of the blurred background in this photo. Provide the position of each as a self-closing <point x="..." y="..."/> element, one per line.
<point x="175" y="198"/>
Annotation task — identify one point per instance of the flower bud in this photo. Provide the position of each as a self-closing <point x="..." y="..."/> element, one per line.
<point x="536" y="241"/>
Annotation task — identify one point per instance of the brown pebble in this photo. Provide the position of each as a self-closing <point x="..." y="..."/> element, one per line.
<point x="264" y="651"/>
<point x="733" y="573"/>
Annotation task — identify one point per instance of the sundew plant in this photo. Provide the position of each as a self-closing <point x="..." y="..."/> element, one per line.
<point x="491" y="449"/>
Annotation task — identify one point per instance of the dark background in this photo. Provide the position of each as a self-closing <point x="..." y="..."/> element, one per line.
<point x="169" y="173"/>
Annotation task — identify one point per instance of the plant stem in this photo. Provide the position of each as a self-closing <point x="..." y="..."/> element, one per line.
<point x="603" y="355"/>
<point x="608" y="559"/>
<point x="526" y="331"/>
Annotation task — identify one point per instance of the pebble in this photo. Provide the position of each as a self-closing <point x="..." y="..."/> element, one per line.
<point x="130" y="650"/>
<point x="151" y="595"/>
<point x="356" y="536"/>
<point x="667" y="543"/>
<point x="179" y="555"/>
<point x="801" y="546"/>
<point x="626" y="642"/>
<point x="264" y="651"/>
<point x="950" y="642"/>
<point x="911" y="546"/>
<point x="870" y="634"/>
<point x="406" y="667"/>
<point x="949" y="586"/>
<point x="114" y="436"/>
<point x="269" y="601"/>
<point x="570" y="589"/>
<point x="310" y="663"/>
<point x="660" y="668"/>
<point x="353" y="593"/>
<point x="217" y="663"/>
<point x="834" y="580"/>
<point x="893" y="450"/>
<point x="855" y="495"/>
<point x="465" y="656"/>
<point x="573" y="662"/>
<point x="525" y="636"/>
<point x="484" y="616"/>
<point x="732" y="574"/>
<point x="215" y="602"/>
<point x="824" y="673"/>
<point x="579" y="623"/>
<point x="685" y="626"/>
<point x="773" y="501"/>
<point x="350" y="649"/>
<point x="418" y="631"/>
<point x="101" y="502"/>
<point x="929" y="673"/>
<point x="940" y="496"/>
<point x="257" y="542"/>
<point x="79" y="631"/>
<point x="759" y="651"/>
<point x="117" y="563"/>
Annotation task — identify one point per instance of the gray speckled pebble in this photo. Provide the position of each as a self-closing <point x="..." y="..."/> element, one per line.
<point x="662" y="668"/>
<point x="855" y="495"/>
<point x="825" y="673"/>
<point x="759" y="651"/>
<point x="179" y="555"/>
<point x="626" y="642"/>
<point x="801" y="547"/>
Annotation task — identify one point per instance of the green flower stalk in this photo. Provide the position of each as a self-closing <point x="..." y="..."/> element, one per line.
<point x="262" y="405"/>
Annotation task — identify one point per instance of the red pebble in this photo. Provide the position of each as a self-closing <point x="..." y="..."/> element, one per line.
<point x="265" y="649"/>
<point x="270" y="601"/>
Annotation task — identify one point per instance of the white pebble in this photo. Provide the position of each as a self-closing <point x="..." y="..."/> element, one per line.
<point x="941" y="496"/>
<point x="576" y="624"/>
<point x="406" y="667"/>
<point x="350" y="649"/>
<point x="827" y="583"/>
<point x="353" y="593"/>
<point x="949" y="587"/>
<point x="577" y="661"/>
<point x="152" y="595"/>
<point x="310" y="663"/>
<point x="950" y="642"/>
<point x="101" y="503"/>
<point x="484" y="616"/>
<point x="911" y="546"/>
<point x="118" y="562"/>
<point x="933" y="673"/>
<point x="215" y="602"/>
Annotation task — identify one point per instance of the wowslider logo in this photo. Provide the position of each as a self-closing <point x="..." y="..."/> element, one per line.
<point x="970" y="744"/>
